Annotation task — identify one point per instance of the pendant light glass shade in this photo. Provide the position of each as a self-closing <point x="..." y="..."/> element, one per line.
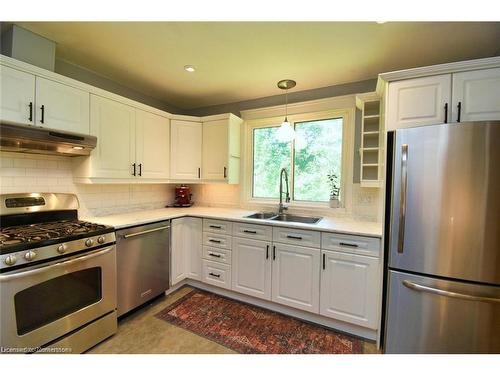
<point x="285" y="132"/>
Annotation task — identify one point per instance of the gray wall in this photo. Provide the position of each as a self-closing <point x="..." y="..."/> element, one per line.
<point x="293" y="97"/>
<point x="90" y="77"/>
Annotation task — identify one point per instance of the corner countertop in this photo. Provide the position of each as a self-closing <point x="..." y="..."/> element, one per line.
<point x="327" y="224"/>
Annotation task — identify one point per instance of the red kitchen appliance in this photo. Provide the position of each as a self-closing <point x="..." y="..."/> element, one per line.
<point x="183" y="196"/>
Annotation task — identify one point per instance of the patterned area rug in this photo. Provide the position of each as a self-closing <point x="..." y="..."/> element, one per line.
<point x="249" y="329"/>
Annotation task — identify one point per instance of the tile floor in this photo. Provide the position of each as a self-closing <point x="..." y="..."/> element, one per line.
<point x="141" y="333"/>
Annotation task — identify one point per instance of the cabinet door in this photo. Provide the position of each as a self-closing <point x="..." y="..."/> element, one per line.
<point x="194" y="249"/>
<point x="215" y="150"/>
<point x="419" y="101"/>
<point x="251" y="267"/>
<point x="295" y="274"/>
<point x="152" y="145"/>
<point x="185" y="150"/>
<point x="64" y="107"/>
<point x="113" y="124"/>
<point x="349" y="288"/>
<point x="178" y="255"/>
<point x="478" y="93"/>
<point x="17" y="93"/>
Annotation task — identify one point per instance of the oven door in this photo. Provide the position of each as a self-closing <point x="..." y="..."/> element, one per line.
<point x="45" y="302"/>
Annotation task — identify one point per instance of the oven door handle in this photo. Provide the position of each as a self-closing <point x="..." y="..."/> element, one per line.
<point x="43" y="268"/>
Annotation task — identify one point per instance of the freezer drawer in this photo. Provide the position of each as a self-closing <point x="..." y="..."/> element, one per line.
<point x="427" y="315"/>
<point x="142" y="257"/>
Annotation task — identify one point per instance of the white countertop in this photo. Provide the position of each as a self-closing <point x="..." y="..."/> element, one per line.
<point x="327" y="224"/>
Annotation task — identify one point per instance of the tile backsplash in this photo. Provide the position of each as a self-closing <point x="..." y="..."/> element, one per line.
<point x="31" y="173"/>
<point x="26" y="173"/>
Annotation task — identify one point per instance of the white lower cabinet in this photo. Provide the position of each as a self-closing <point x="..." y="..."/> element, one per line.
<point x="251" y="267"/>
<point x="186" y="252"/>
<point x="350" y="288"/>
<point x="295" y="276"/>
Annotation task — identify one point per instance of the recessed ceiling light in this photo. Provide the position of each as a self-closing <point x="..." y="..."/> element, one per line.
<point x="381" y="22"/>
<point x="189" y="68"/>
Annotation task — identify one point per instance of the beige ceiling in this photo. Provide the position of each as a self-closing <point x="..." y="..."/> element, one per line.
<point x="239" y="61"/>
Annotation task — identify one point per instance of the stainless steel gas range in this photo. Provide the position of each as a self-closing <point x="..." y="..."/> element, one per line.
<point x="57" y="276"/>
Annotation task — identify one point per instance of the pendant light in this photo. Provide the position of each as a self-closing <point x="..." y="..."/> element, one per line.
<point x="285" y="132"/>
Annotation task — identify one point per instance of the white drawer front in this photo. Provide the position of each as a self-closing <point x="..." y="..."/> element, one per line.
<point x="351" y="244"/>
<point x="217" y="226"/>
<point x="216" y="255"/>
<point x="217" y="240"/>
<point x="297" y="237"/>
<point x="217" y="274"/>
<point x="254" y="231"/>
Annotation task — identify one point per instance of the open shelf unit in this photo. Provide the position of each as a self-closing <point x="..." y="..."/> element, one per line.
<point x="370" y="151"/>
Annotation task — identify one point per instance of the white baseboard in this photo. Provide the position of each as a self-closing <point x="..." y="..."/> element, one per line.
<point x="351" y="329"/>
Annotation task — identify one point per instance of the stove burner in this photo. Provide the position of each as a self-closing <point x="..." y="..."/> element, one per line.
<point x="45" y="231"/>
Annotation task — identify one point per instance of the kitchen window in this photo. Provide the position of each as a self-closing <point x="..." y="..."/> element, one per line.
<point x="316" y="151"/>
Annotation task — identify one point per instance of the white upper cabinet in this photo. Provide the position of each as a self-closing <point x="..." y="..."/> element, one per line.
<point x="476" y="94"/>
<point x="251" y="267"/>
<point x="295" y="275"/>
<point x="419" y="101"/>
<point x="113" y="124"/>
<point x="132" y="145"/>
<point x="185" y="150"/>
<point x="221" y="150"/>
<point x="62" y="107"/>
<point x="152" y="145"/>
<point x="17" y="96"/>
<point x="350" y="287"/>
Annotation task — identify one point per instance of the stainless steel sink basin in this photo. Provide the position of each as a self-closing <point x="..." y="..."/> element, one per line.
<point x="296" y="219"/>
<point x="262" y="215"/>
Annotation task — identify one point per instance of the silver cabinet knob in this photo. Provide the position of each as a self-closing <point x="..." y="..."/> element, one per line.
<point x="30" y="255"/>
<point x="10" y="260"/>
<point x="89" y="242"/>
<point x="61" y="249"/>
<point x="101" y="239"/>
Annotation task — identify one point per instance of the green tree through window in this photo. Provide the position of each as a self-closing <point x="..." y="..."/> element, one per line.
<point x="316" y="150"/>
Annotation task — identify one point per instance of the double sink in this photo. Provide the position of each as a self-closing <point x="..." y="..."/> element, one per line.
<point x="284" y="217"/>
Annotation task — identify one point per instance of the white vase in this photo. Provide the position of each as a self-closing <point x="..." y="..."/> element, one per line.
<point x="334" y="202"/>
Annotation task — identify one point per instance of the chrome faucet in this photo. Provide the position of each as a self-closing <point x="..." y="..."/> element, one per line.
<point x="282" y="207"/>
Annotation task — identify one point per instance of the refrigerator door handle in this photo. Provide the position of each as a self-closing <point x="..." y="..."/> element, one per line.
<point x="445" y="293"/>
<point x="402" y="198"/>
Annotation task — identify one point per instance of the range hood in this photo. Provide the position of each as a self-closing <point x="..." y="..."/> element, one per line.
<point x="37" y="140"/>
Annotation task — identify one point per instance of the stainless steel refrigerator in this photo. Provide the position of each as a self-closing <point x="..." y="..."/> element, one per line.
<point x="442" y="286"/>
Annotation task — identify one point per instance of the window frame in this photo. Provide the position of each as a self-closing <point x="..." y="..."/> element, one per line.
<point x="348" y="125"/>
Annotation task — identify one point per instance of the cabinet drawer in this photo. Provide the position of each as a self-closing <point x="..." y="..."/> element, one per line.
<point x="297" y="237"/>
<point x="351" y="244"/>
<point x="217" y="240"/>
<point x="257" y="232"/>
<point x="217" y="226"/>
<point x="217" y="255"/>
<point x="217" y="274"/>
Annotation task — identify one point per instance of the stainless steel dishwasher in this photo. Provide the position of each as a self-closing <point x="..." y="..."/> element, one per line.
<point x="143" y="262"/>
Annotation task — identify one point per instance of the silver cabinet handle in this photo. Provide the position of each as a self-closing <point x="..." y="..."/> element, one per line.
<point x="145" y="231"/>
<point x="42" y="268"/>
<point x="402" y="197"/>
<point x="445" y="293"/>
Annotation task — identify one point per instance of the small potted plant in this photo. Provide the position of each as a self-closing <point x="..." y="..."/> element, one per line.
<point x="333" y="181"/>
